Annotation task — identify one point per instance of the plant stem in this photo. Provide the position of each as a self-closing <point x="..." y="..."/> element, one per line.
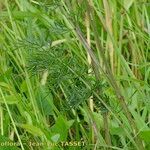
<point x="108" y="18"/>
<point x="106" y="128"/>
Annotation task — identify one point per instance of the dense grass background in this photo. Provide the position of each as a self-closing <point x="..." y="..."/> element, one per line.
<point x="75" y="70"/>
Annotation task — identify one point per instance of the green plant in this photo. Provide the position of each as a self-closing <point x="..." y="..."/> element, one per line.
<point x="75" y="71"/>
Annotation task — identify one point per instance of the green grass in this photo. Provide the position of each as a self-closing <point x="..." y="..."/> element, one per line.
<point x="74" y="71"/>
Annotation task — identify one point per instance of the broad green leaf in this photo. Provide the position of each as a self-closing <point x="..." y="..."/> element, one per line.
<point x="145" y="135"/>
<point x="6" y="74"/>
<point x="28" y="117"/>
<point x="26" y="6"/>
<point x="128" y="4"/>
<point x="10" y="99"/>
<point x="84" y="114"/>
<point x="138" y="119"/>
<point x="69" y="123"/>
<point x="4" y="85"/>
<point x="61" y="127"/>
<point x="31" y="129"/>
<point x="99" y="119"/>
<point x="117" y="131"/>
<point x="55" y="138"/>
<point x="23" y="86"/>
<point x="45" y="100"/>
<point x="17" y="14"/>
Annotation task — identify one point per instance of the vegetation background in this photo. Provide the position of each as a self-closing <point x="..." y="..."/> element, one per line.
<point x="75" y="70"/>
